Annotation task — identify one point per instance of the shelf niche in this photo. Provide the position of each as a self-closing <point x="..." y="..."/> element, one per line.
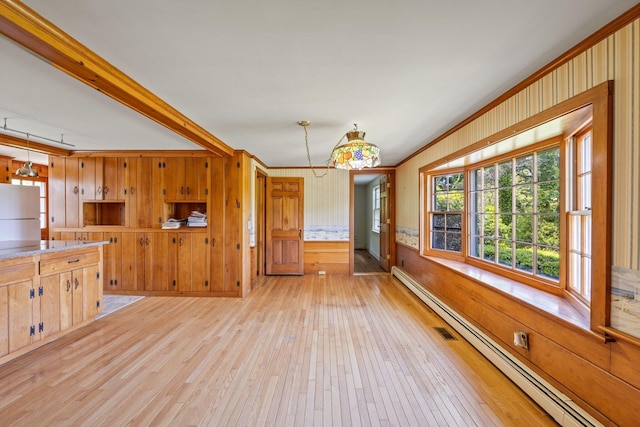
<point x="181" y="210"/>
<point x="103" y="212"/>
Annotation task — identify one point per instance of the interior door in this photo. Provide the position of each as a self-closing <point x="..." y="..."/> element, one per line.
<point x="385" y="221"/>
<point x="285" y="225"/>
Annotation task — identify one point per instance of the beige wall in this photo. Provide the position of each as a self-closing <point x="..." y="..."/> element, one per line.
<point x="616" y="58"/>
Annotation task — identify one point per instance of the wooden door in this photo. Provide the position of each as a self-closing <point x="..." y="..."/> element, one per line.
<point x="156" y="260"/>
<point x="114" y="178"/>
<point x="132" y="246"/>
<point x="200" y="262"/>
<point x="385" y="221"/>
<point x="141" y="192"/>
<point x="184" y="271"/>
<point x="174" y="178"/>
<point x="285" y="226"/>
<point x="78" y="288"/>
<point x="66" y="299"/>
<point x="196" y="178"/>
<point x="113" y="262"/>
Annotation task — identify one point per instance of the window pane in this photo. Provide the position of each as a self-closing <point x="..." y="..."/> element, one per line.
<point x="437" y="221"/>
<point x="456" y="201"/>
<point x="549" y="165"/>
<point x="476" y="180"/>
<point x="549" y="230"/>
<point x="575" y="278"/>
<point x="549" y="197"/>
<point x="505" y="174"/>
<point x="489" y="197"/>
<point x="489" y="250"/>
<point x="505" y="249"/>
<point x="524" y="198"/>
<point x="585" y="192"/>
<point x="454" y="242"/>
<point x="586" y="279"/>
<point x="524" y="257"/>
<point x="438" y="240"/>
<point x="524" y="228"/>
<point x="476" y="202"/>
<point x="489" y="225"/>
<point x="456" y="181"/>
<point x="475" y="224"/>
<point x="548" y="263"/>
<point x="524" y="169"/>
<point x="440" y="184"/>
<point x="505" y="229"/>
<point x="489" y="176"/>
<point x="454" y="222"/>
<point x="505" y="199"/>
<point x="441" y="202"/>
<point x="575" y="237"/>
<point x="586" y="233"/>
<point x="475" y="246"/>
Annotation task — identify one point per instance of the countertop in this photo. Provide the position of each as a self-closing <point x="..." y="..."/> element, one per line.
<point x="17" y="248"/>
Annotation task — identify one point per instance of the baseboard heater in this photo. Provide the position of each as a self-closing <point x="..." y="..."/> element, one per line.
<point x="565" y="411"/>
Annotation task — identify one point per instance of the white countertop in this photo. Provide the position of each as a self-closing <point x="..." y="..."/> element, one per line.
<point x="17" y="248"/>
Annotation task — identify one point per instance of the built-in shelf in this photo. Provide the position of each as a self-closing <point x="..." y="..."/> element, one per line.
<point x="182" y="209"/>
<point x="103" y="212"/>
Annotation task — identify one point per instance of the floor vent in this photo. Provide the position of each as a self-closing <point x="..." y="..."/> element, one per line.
<point x="565" y="411"/>
<point x="444" y="333"/>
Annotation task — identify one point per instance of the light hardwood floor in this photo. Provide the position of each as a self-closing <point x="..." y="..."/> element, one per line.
<point x="299" y="351"/>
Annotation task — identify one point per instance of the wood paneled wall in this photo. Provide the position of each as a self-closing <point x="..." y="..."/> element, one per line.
<point x="330" y="257"/>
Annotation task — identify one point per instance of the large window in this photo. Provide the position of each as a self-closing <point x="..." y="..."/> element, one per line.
<point x="514" y="213"/>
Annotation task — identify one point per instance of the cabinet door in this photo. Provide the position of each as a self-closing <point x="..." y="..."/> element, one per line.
<point x="141" y="192"/>
<point x="159" y="191"/>
<point x="48" y="306"/>
<point x="72" y="192"/>
<point x="56" y="182"/>
<point x="21" y="315"/>
<point x="200" y="265"/>
<point x="88" y="184"/>
<point x="132" y="247"/>
<point x="114" y="178"/>
<point x="112" y="262"/>
<point x="156" y="262"/>
<point x="66" y="299"/>
<point x="78" y="288"/>
<point x="92" y="299"/>
<point x="5" y="173"/>
<point x="184" y="273"/>
<point x="197" y="178"/>
<point x="174" y="182"/>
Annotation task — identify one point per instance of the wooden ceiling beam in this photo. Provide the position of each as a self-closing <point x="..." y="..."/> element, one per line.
<point x="27" y="28"/>
<point x="34" y="147"/>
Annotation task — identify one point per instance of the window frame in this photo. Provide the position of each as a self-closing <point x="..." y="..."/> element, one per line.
<point x="375" y="208"/>
<point x="430" y="211"/>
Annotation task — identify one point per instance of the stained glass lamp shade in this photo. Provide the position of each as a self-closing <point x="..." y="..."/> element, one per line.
<point x="356" y="153"/>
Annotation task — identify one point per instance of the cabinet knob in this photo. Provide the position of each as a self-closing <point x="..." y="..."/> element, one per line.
<point x="131" y="191"/>
<point x="99" y="189"/>
<point x="146" y="241"/>
<point x="141" y="241"/>
<point x="76" y="283"/>
<point x="106" y="189"/>
<point x="75" y="189"/>
<point x="68" y="285"/>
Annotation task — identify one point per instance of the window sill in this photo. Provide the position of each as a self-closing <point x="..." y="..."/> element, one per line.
<point x="542" y="301"/>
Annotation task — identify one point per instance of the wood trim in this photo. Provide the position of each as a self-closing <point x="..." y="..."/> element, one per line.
<point x="604" y="32"/>
<point x="141" y="153"/>
<point x="23" y="25"/>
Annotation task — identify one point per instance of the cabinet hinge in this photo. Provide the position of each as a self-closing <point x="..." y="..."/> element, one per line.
<point x="206" y="283"/>
<point x="164" y="192"/>
<point x="238" y="165"/>
<point x="40" y="291"/>
<point x="98" y="275"/>
<point x="206" y="191"/>
<point x="41" y="327"/>
<point x="159" y="220"/>
<point x="174" y="283"/>
<point x="238" y="246"/>
<point x="238" y="283"/>
<point x="32" y="330"/>
<point x="98" y="303"/>
<point x="206" y="164"/>
<point x="32" y="293"/>
<point x="125" y="164"/>
<point x="206" y="240"/>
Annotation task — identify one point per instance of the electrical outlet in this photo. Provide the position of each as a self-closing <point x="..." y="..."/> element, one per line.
<point x="521" y="339"/>
<point x="322" y="272"/>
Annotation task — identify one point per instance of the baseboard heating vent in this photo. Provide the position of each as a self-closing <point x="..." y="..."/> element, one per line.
<point x="444" y="333"/>
<point x="565" y="411"/>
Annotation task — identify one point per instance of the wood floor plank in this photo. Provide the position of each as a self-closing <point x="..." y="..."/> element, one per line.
<point x="299" y="351"/>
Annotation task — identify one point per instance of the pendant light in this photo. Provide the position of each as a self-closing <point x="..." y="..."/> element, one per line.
<point x="27" y="169"/>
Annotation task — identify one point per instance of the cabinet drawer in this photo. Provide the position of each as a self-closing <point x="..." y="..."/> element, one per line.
<point x="68" y="262"/>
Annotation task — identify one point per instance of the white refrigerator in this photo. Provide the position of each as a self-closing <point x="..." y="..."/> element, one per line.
<point x="19" y="212"/>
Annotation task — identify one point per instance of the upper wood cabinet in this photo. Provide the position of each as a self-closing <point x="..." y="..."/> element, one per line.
<point x="103" y="178"/>
<point x="5" y="170"/>
<point x="186" y="178"/>
<point x="141" y="193"/>
<point x="64" y="192"/>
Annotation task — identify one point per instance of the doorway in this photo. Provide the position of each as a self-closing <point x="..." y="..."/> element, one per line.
<point x="372" y="222"/>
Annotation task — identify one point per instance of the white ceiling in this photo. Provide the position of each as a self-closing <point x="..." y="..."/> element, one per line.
<point x="248" y="71"/>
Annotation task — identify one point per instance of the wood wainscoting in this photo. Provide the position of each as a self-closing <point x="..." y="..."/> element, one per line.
<point x="327" y="256"/>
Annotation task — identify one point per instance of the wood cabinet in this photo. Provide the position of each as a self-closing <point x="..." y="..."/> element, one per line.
<point x="189" y="178"/>
<point x="102" y="178"/>
<point x="189" y="268"/>
<point x="113" y="261"/>
<point x="5" y="170"/>
<point x="142" y="213"/>
<point x="42" y="296"/>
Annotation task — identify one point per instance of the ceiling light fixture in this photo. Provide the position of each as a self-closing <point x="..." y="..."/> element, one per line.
<point x="356" y="153"/>
<point x="27" y="169"/>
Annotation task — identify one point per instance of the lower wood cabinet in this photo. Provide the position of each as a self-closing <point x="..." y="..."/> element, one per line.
<point x="43" y="296"/>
